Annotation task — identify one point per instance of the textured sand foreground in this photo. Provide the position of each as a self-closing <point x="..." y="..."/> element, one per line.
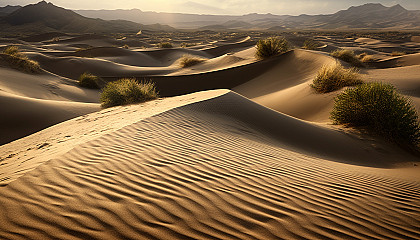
<point x="215" y="166"/>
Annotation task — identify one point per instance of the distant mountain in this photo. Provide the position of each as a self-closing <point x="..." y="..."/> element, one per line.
<point x="368" y="16"/>
<point x="4" y="11"/>
<point x="46" y="17"/>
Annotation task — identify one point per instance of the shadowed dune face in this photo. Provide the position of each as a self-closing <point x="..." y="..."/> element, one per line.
<point x="208" y="170"/>
<point x="281" y="83"/>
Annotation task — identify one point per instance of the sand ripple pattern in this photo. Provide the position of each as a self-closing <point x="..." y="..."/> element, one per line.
<point x="198" y="172"/>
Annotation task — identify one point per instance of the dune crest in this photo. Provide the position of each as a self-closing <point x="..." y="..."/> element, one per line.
<point x="205" y="169"/>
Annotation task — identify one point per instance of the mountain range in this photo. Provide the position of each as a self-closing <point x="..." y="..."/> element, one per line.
<point x="368" y="16"/>
<point x="45" y="17"/>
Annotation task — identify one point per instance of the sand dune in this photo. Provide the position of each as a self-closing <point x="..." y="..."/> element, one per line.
<point x="30" y="103"/>
<point x="401" y="61"/>
<point x="260" y="162"/>
<point x="209" y="170"/>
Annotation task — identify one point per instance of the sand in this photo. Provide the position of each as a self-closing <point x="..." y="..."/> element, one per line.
<point x="235" y="148"/>
<point x="208" y="170"/>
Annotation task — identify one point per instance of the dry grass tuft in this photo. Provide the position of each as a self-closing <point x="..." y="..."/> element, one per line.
<point x="127" y="91"/>
<point x="334" y="77"/>
<point x="88" y="80"/>
<point x="20" y="61"/>
<point x="311" y="44"/>
<point x="165" y="45"/>
<point x="347" y="56"/>
<point x="188" y="61"/>
<point x="396" y="54"/>
<point x="270" y="47"/>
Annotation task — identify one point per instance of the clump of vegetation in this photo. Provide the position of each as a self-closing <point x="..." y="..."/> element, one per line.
<point x="270" y="47"/>
<point x="185" y="45"/>
<point x="88" y="80"/>
<point x="20" y="61"/>
<point x="127" y="91"/>
<point x="125" y="46"/>
<point x="311" y="44"/>
<point x="188" y="61"/>
<point x="165" y="45"/>
<point x="396" y="54"/>
<point x="12" y="50"/>
<point x="365" y="58"/>
<point x="378" y="107"/>
<point x="347" y="56"/>
<point x="333" y="77"/>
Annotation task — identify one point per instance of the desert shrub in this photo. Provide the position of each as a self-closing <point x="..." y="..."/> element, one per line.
<point x="127" y="91"/>
<point x="365" y="58"/>
<point x="12" y="50"/>
<point x="185" y="45"/>
<point x="396" y="54"/>
<point x="271" y="46"/>
<point x="311" y="44"/>
<point x="125" y="46"/>
<point x="378" y="107"/>
<point x="188" y="61"/>
<point x="88" y="80"/>
<point x="19" y="61"/>
<point x="165" y="45"/>
<point x="347" y="56"/>
<point x="333" y="77"/>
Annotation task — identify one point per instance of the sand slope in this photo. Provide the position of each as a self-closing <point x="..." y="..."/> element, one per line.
<point x="214" y="169"/>
<point x="29" y="103"/>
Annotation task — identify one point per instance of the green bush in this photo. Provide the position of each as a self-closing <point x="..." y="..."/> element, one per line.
<point x="347" y="56"/>
<point x="311" y="44"/>
<point x="127" y="91"/>
<point x="380" y="108"/>
<point x="333" y="77"/>
<point x="88" y="80"/>
<point x="165" y="45"/>
<point x="188" y="61"/>
<point x="270" y="47"/>
<point x="19" y="61"/>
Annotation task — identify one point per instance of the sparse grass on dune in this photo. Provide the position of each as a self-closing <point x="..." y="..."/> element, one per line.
<point x="18" y="60"/>
<point x="189" y="60"/>
<point x="165" y="45"/>
<point x="396" y="54"/>
<point x="333" y="77"/>
<point x="12" y="50"/>
<point x="365" y="58"/>
<point x="88" y="80"/>
<point x="311" y="44"/>
<point x="270" y="47"/>
<point x="127" y="91"/>
<point x="380" y="108"/>
<point x="185" y="45"/>
<point x="347" y="56"/>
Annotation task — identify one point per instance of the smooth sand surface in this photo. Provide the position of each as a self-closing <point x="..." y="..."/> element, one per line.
<point x="207" y="170"/>
<point x="29" y="103"/>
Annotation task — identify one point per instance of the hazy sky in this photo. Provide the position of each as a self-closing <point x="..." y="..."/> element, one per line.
<point x="236" y="7"/>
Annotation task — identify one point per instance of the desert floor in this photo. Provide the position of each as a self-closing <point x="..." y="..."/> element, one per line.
<point x="236" y="148"/>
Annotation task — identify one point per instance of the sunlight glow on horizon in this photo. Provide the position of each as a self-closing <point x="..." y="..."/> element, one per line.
<point x="233" y="7"/>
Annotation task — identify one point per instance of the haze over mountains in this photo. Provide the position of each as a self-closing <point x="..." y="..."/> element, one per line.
<point x="45" y="16"/>
<point x="371" y="16"/>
